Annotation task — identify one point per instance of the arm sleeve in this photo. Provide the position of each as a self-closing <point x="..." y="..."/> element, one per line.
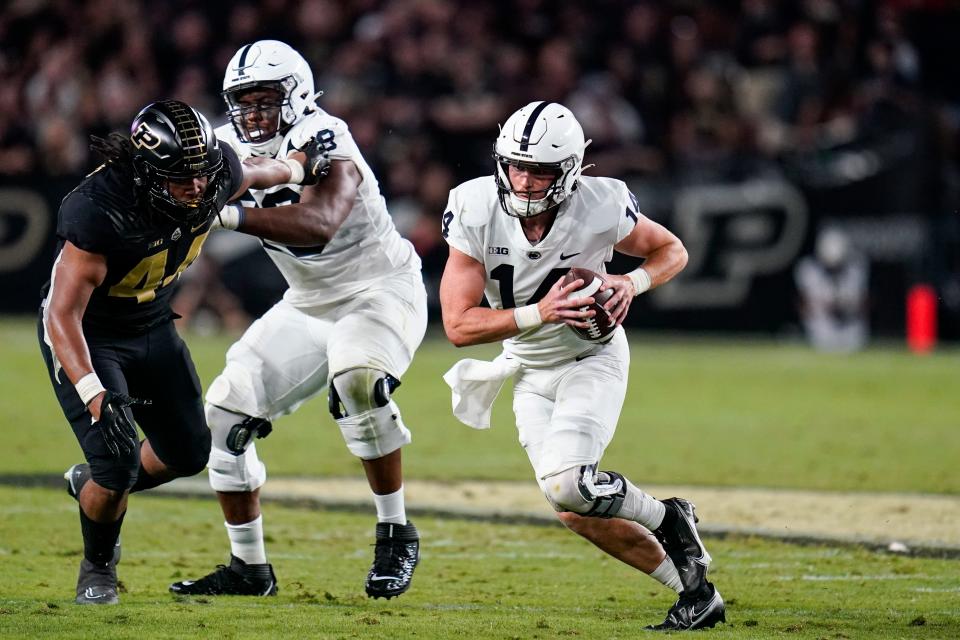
<point x="458" y="235"/>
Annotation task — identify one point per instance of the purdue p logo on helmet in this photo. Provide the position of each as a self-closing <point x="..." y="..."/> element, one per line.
<point x="172" y="141"/>
<point x="144" y="137"/>
<point x="543" y="137"/>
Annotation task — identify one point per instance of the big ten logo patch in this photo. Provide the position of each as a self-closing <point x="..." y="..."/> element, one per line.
<point x="498" y="251"/>
<point x="733" y="234"/>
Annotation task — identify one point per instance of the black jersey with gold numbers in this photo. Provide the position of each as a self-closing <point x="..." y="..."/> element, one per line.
<point x="146" y="251"/>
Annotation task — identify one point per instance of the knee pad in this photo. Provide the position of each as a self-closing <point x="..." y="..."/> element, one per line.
<point x="369" y="420"/>
<point x="116" y="475"/>
<point x="235" y="388"/>
<point x="190" y="460"/>
<point x="230" y="472"/>
<point x="585" y="491"/>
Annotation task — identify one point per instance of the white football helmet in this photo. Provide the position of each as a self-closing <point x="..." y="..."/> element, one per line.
<point x="268" y="64"/>
<point x="546" y="138"/>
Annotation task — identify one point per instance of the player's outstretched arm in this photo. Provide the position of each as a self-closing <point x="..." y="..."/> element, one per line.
<point x="305" y="166"/>
<point x="315" y="219"/>
<point x="263" y="173"/>
<point x="467" y="323"/>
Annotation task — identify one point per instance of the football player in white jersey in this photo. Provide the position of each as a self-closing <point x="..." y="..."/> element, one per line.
<point x="513" y="236"/>
<point x="353" y="315"/>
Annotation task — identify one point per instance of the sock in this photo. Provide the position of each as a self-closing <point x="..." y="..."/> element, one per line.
<point x="390" y="507"/>
<point x="246" y="541"/>
<point x="99" y="538"/>
<point x="641" y="507"/>
<point x="666" y="573"/>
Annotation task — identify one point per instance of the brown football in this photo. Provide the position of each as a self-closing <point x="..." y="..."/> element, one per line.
<point x="601" y="324"/>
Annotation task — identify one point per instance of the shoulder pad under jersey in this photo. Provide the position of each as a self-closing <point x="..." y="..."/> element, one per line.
<point x="228" y="135"/>
<point x="477" y="201"/>
<point x="309" y="126"/>
<point x="601" y="202"/>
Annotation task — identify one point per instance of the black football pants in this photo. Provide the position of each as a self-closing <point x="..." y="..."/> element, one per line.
<point x="155" y="366"/>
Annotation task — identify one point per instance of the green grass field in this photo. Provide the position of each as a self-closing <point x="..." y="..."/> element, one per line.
<point x="699" y="411"/>
<point x="474" y="581"/>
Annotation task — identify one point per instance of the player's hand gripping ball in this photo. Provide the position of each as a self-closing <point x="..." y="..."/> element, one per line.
<point x="602" y="323"/>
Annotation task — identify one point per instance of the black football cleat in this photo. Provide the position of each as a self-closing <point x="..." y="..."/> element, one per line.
<point x="77" y="476"/>
<point x="97" y="584"/>
<point x="682" y="543"/>
<point x="239" y="579"/>
<point x="700" y="611"/>
<point x="395" y="557"/>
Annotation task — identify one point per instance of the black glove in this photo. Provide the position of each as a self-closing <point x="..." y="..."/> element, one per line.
<point x="317" y="164"/>
<point x="118" y="432"/>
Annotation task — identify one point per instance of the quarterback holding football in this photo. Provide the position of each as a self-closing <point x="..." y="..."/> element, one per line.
<point x="534" y="239"/>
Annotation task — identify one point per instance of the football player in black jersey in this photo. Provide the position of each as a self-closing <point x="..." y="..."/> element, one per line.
<point x="125" y="235"/>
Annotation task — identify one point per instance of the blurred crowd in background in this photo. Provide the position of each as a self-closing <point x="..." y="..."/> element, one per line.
<point x="829" y="94"/>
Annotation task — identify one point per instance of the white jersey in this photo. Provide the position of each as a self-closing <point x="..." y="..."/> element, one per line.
<point x="596" y="216"/>
<point x="366" y="247"/>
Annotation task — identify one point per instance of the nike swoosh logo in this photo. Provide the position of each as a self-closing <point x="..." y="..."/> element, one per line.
<point x="89" y="594"/>
<point x="563" y="257"/>
<point x="192" y="229"/>
<point x="697" y="616"/>
<point x="378" y="578"/>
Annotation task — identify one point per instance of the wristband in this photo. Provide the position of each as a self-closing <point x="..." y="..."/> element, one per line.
<point x="527" y="317"/>
<point x="89" y="387"/>
<point x="640" y="279"/>
<point x="296" y="170"/>
<point x="231" y="216"/>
